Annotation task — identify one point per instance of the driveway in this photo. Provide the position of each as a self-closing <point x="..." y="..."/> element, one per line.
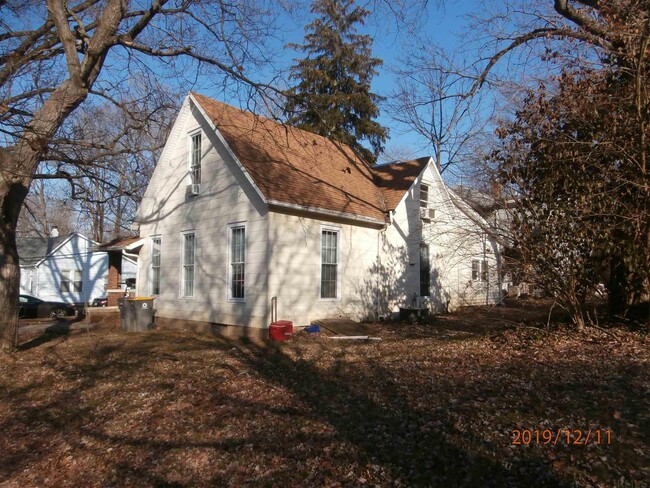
<point x="32" y="326"/>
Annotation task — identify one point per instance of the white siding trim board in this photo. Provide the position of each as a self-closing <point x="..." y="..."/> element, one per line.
<point x="328" y="213"/>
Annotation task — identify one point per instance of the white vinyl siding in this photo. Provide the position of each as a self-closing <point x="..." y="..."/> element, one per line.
<point x="187" y="266"/>
<point x="237" y="254"/>
<point x="329" y="288"/>
<point x="155" y="265"/>
<point x="176" y="211"/>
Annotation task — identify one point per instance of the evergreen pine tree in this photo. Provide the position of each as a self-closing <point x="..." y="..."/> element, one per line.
<point x="333" y="97"/>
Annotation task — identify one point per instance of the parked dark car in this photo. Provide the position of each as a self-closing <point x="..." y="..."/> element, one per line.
<point x="29" y="306"/>
<point x="100" y="302"/>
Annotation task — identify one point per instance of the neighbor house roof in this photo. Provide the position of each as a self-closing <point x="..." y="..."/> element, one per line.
<point x="118" y="244"/>
<point x="396" y="178"/>
<point x="294" y="167"/>
<point x="32" y="250"/>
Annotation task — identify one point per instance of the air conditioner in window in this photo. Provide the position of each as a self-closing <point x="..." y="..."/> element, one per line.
<point x="427" y="213"/>
<point x="193" y="189"/>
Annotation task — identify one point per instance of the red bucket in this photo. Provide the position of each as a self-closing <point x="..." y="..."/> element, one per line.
<point x="281" y="330"/>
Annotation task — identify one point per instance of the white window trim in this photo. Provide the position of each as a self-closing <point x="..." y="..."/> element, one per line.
<point x="190" y="135"/>
<point x="182" y="269"/>
<point x="151" y="238"/>
<point x="230" y="227"/>
<point x="71" y="275"/>
<point x="339" y="259"/>
<point x="481" y="262"/>
<point x="420" y="194"/>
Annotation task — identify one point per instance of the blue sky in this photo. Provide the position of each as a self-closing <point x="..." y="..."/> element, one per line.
<point x="442" y="24"/>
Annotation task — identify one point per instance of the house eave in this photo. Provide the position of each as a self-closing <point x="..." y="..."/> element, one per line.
<point x="135" y="245"/>
<point x="322" y="212"/>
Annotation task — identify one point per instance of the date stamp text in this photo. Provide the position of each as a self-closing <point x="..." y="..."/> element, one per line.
<point x="570" y="437"/>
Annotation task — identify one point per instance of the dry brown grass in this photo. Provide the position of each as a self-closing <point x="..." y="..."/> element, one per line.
<point x="429" y="405"/>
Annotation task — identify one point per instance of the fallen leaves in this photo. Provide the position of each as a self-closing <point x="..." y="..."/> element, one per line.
<point x="428" y="405"/>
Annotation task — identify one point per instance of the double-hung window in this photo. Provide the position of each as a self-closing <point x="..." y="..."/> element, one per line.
<point x="479" y="270"/>
<point x="424" y="195"/>
<point x="195" y="158"/>
<point x="237" y="266"/>
<point x="329" y="264"/>
<point x="71" y="280"/>
<point x="187" y="266"/>
<point x="155" y="265"/>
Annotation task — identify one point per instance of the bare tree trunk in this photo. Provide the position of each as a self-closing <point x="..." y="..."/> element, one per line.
<point x="12" y="195"/>
<point x="18" y="166"/>
<point x="19" y="162"/>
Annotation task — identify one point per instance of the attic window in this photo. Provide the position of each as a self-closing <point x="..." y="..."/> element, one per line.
<point x="424" y="196"/>
<point x="195" y="158"/>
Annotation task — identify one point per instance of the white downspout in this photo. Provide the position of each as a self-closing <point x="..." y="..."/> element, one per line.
<point x="378" y="260"/>
<point x="381" y="232"/>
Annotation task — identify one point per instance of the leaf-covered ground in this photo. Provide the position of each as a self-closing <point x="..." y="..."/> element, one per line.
<point x="429" y="405"/>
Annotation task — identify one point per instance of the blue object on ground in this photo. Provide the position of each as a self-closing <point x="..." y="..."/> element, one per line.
<point x="313" y="328"/>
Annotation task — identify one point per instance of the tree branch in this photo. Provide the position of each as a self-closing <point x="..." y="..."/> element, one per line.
<point x="58" y="14"/>
<point x="564" y="8"/>
<point x="187" y="51"/>
<point x="540" y="33"/>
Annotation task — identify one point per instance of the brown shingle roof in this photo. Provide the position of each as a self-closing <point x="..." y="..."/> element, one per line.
<point x="395" y="179"/>
<point x="290" y="165"/>
<point x="293" y="166"/>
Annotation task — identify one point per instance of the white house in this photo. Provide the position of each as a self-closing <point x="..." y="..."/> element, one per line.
<point x="63" y="268"/>
<point x="241" y="210"/>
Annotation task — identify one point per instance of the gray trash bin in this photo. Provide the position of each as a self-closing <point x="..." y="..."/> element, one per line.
<point x="142" y="313"/>
<point x="126" y="314"/>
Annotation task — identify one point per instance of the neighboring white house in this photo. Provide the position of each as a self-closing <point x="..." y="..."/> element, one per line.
<point x="241" y="209"/>
<point x="63" y="268"/>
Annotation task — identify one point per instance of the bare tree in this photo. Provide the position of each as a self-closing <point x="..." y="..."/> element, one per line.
<point x="107" y="154"/>
<point x="576" y="152"/>
<point x="60" y="54"/>
<point x="430" y="100"/>
<point x="55" y="55"/>
<point x="44" y="208"/>
<point x="549" y="47"/>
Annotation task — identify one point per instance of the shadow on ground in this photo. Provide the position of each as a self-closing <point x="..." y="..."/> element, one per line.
<point x="178" y="409"/>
